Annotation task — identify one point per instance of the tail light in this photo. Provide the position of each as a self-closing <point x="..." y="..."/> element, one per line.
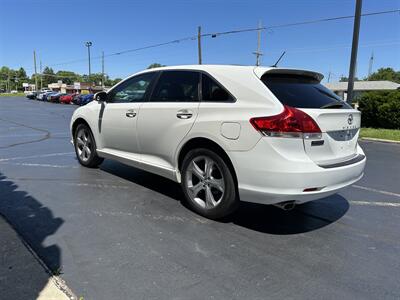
<point x="292" y="122"/>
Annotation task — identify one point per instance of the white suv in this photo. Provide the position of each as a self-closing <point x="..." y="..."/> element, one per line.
<point x="226" y="133"/>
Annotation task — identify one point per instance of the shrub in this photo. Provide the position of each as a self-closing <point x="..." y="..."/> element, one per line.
<point x="380" y="109"/>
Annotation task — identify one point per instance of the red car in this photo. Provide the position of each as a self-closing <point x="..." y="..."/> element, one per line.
<point x="67" y="99"/>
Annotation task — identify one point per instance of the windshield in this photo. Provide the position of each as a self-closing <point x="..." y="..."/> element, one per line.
<point x="302" y="91"/>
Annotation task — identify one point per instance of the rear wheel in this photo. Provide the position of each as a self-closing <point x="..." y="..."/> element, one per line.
<point x="85" y="147"/>
<point x="208" y="184"/>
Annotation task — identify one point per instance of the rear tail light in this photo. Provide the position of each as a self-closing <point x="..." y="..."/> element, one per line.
<point x="292" y="122"/>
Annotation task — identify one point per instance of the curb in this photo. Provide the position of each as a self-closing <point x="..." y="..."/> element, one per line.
<point x="380" y="140"/>
<point x="58" y="282"/>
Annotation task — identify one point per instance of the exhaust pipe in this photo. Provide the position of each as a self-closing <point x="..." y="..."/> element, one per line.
<point x="287" y="205"/>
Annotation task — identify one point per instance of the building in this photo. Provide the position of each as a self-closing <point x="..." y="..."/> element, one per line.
<point x="340" y="88"/>
<point x="28" y="87"/>
<point x="77" y="87"/>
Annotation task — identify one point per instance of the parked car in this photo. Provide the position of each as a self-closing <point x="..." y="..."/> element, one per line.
<point x="47" y="95"/>
<point x="67" y="98"/>
<point x="227" y="133"/>
<point x="31" y="95"/>
<point x="55" y="97"/>
<point x="77" y="99"/>
<point x="85" y="99"/>
<point x="41" y="95"/>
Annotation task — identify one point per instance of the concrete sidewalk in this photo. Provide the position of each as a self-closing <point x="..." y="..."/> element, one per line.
<point x="22" y="274"/>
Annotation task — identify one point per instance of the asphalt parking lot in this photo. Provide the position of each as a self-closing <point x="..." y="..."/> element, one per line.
<point x="121" y="233"/>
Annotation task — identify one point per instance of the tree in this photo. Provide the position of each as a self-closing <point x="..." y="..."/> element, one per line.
<point x="21" y="74"/>
<point x="4" y="75"/>
<point x="67" y="77"/>
<point x="12" y="79"/>
<point x="380" y="109"/>
<point x="97" y="78"/>
<point x="115" y="81"/>
<point x="385" y="74"/>
<point x="346" y="79"/>
<point x="155" y="65"/>
<point x="48" y="76"/>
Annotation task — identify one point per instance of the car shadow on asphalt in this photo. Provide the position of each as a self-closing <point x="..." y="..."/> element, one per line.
<point x="303" y="218"/>
<point x="146" y="179"/>
<point x="258" y="217"/>
<point x="34" y="223"/>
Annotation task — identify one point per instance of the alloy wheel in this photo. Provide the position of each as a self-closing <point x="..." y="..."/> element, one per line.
<point x="84" y="144"/>
<point x="205" y="182"/>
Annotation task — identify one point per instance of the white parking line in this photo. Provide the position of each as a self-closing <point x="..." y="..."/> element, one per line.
<point x="32" y="134"/>
<point x="376" y="191"/>
<point x="95" y="185"/>
<point x="392" y="204"/>
<point x="39" y="165"/>
<point x="37" y="156"/>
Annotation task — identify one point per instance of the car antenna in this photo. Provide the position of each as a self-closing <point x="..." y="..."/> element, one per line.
<point x="279" y="59"/>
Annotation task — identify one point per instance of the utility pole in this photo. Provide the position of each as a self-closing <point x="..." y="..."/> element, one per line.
<point x="102" y="69"/>
<point x="16" y="82"/>
<point x="34" y="63"/>
<point x="258" y="53"/>
<point x="88" y="45"/>
<point x="354" y="49"/>
<point x="41" y="75"/>
<point x="8" y="81"/>
<point x="371" y="61"/>
<point x="199" y="43"/>
<point x="329" y="76"/>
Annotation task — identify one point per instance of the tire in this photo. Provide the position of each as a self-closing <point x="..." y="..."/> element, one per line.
<point x="85" y="147"/>
<point x="209" y="191"/>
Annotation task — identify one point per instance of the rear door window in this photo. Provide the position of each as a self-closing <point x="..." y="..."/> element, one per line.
<point x="302" y="91"/>
<point x="177" y="86"/>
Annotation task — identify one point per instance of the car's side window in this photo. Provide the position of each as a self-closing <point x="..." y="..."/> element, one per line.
<point x="132" y="90"/>
<point x="177" y="86"/>
<point x="213" y="91"/>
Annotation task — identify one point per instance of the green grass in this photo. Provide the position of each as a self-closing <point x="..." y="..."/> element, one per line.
<point x="386" y="134"/>
<point x="12" y="95"/>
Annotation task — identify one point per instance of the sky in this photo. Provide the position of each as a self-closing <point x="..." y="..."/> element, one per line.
<point x="58" y="29"/>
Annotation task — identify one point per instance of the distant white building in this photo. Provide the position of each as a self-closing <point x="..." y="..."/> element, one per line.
<point x="77" y="87"/>
<point x="340" y="88"/>
<point x="28" y="87"/>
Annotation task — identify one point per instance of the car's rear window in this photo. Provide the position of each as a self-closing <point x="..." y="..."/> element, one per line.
<point x="302" y="91"/>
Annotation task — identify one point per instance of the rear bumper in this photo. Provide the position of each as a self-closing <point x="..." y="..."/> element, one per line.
<point x="266" y="175"/>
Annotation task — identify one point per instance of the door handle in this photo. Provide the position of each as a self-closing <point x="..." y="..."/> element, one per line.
<point x="184" y="114"/>
<point x="130" y="113"/>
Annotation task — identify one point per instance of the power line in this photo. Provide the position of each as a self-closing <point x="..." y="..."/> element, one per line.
<point x="302" y="23"/>
<point x="216" y="34"/>
<point x="337" y="46"/>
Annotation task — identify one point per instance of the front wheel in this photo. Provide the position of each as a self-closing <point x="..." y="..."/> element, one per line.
<point x="208" y="184"/>
<point x="85" y="147"/>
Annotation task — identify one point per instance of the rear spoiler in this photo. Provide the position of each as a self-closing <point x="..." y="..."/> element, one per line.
<point x="260" y="71"/>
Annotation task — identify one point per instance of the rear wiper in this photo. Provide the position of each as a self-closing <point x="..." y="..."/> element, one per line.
<point x="335" y="104"/>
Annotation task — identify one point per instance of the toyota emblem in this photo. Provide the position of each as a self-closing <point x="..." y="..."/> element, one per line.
<point x="350" y="119"/>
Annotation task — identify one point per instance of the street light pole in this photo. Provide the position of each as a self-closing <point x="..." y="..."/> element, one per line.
<point x="34" y="64"/>
<point x="88" y="45"/>
<point x="102" y="69"/>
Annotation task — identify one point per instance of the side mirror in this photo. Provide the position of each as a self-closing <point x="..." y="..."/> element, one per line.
<point x="100" y="96"/>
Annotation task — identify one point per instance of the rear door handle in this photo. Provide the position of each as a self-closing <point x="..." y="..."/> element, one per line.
<point x="130" y="113"/>
<point x="184" y="114"/>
